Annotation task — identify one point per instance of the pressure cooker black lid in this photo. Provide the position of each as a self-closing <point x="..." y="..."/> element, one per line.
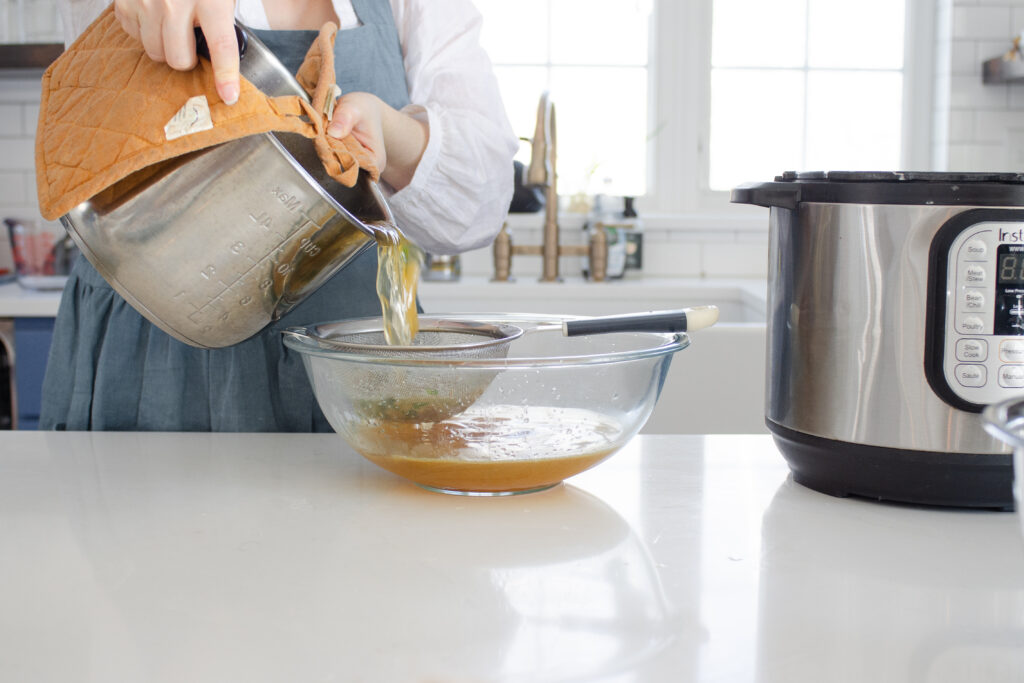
<point x="883" y="187"/>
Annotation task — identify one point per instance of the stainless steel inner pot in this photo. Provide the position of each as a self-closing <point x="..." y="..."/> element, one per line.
<point x="214" y="245"/>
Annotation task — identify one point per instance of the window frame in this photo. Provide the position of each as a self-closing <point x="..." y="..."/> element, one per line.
<point x="679" y="109"/>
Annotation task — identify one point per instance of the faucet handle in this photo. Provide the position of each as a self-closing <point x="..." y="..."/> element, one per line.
<point x="541" y="171"/>
<point x="598" y="254"/>
<point x="502" y="255"/>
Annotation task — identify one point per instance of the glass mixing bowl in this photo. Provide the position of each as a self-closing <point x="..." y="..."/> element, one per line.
<point x="547" y="408"/>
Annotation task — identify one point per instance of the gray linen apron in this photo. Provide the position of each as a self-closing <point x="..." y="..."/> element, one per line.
<point x="110" y="369"/>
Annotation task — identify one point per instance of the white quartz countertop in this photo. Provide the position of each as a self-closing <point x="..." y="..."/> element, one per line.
<point x="18" y="302"/>
<point x="199" y="557"/>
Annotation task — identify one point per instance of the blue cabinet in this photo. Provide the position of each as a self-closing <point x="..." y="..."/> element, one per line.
<point x="32" y="337"/>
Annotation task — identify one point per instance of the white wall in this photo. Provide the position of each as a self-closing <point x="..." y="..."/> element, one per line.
<point x="978" y="127"/>
<point x="19" y="110"/>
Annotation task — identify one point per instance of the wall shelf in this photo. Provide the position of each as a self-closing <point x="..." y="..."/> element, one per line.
<point x="29" y="55"/>
<point x="999" y="70"/>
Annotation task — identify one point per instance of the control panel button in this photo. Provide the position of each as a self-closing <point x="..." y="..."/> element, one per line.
<point x="1011" y="376"/>
<point x="975" y="250"/>
<point x="970" y="324"/>
<point x="972" y="350"/>
<point x="974" y="299"/>
<point x="1011" y="351"/>
<point x="971" y="375"/>
<point x="975" y="275"/>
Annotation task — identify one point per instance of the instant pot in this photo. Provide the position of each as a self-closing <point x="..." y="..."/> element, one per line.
<point x="895" y="316"/>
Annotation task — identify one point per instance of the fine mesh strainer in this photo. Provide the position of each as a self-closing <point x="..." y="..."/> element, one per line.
<point x="436" y="339"/>
<point x="422" y="382"/>
<point x="389" y="392"/>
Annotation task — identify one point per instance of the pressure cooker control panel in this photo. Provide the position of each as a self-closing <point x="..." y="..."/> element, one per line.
<point x="983" y="353"/>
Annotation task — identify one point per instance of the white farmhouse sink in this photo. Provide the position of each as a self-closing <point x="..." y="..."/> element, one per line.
<point x="716" y="386"/>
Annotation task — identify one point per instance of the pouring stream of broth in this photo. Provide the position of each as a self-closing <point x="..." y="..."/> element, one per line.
<point x="398" y="272"/>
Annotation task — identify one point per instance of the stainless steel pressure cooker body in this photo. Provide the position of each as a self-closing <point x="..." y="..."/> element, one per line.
<point x="895" y="315"/>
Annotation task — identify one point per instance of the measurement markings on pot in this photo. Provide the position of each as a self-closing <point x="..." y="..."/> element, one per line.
<point x="266" y="267"/>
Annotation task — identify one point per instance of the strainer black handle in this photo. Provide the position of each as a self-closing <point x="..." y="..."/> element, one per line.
<point x="682" y="320"/>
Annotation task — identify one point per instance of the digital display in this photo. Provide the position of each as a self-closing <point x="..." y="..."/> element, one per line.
<point x="1011" y="269"/>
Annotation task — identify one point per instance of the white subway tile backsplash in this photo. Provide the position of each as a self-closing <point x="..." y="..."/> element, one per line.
<point x="702" y="236"/>
<point x="981" y="22"/>
<point x="24" y="90"/>
<point x="736" y="260"/>
<point x="968" y="92"/>
<point x="978" y="157"/>
<point x="1016" y="97"/>
<point x="991" y="126"/>
<point x="29" y="119"/>
<point x="987" y="49"/>
<point x="963" y="58"/>
<point x="961" y="125"/>
<point x="1015" y="148"/>
<point x="675" y="259"/>
<point x="10" y="121"/>
<point x="759" y="237"/>
<point x="16" y="154"/>
<point x="12" y="188"/>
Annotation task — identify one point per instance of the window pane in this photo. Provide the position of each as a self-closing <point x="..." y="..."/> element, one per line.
<point x="867" y="34"/>
<point x="599" y="31"/>
<point x="515" y="32"/>
<point x="756" y="125"/>
<point x="598" y="137"/>
<point x="759" y="33"/>
<point x="521" y="88"/>
<point x="853" y="121"/>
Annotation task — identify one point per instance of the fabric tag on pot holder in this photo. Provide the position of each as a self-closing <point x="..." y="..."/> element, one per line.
<point x="191" y="118"/>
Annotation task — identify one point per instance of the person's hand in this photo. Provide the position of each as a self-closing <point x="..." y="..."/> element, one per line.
<point x="396" y="140"/>
<point x="165" y="28"/>
<point x="362" y="115"/>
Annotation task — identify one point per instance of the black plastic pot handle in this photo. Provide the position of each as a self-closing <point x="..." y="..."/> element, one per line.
<point x="782" y="195"/>
<point x="682" y="320"/>
<point x="203" y="49"/>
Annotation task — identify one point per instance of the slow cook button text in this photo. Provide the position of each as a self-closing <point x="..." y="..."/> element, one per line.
<point x="972" y="350"/>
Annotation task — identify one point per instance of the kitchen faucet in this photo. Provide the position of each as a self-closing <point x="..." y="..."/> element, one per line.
<point x="542" y="173"/>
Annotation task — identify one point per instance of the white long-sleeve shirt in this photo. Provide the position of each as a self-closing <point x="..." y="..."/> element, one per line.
<point x="459" y="195"/>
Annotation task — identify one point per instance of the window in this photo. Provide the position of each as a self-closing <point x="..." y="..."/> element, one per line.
<point x="592" y="56"/>
<point x="825" y="79"/>
<point x="680" y="100"/>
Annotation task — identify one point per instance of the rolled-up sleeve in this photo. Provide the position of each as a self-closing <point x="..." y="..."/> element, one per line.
<point x="460" y="193"/>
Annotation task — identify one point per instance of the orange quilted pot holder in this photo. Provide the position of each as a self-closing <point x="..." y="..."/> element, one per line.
<point x="108" y="110"/>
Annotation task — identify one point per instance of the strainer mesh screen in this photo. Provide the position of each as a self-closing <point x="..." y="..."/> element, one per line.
<point x="439" y="344"/>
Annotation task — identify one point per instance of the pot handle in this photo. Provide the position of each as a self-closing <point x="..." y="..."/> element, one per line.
<point x="203" y="49"/>
<point x="782" y="195"/>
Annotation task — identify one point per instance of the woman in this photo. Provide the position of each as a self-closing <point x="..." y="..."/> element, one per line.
<point x="419" y="93"/>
